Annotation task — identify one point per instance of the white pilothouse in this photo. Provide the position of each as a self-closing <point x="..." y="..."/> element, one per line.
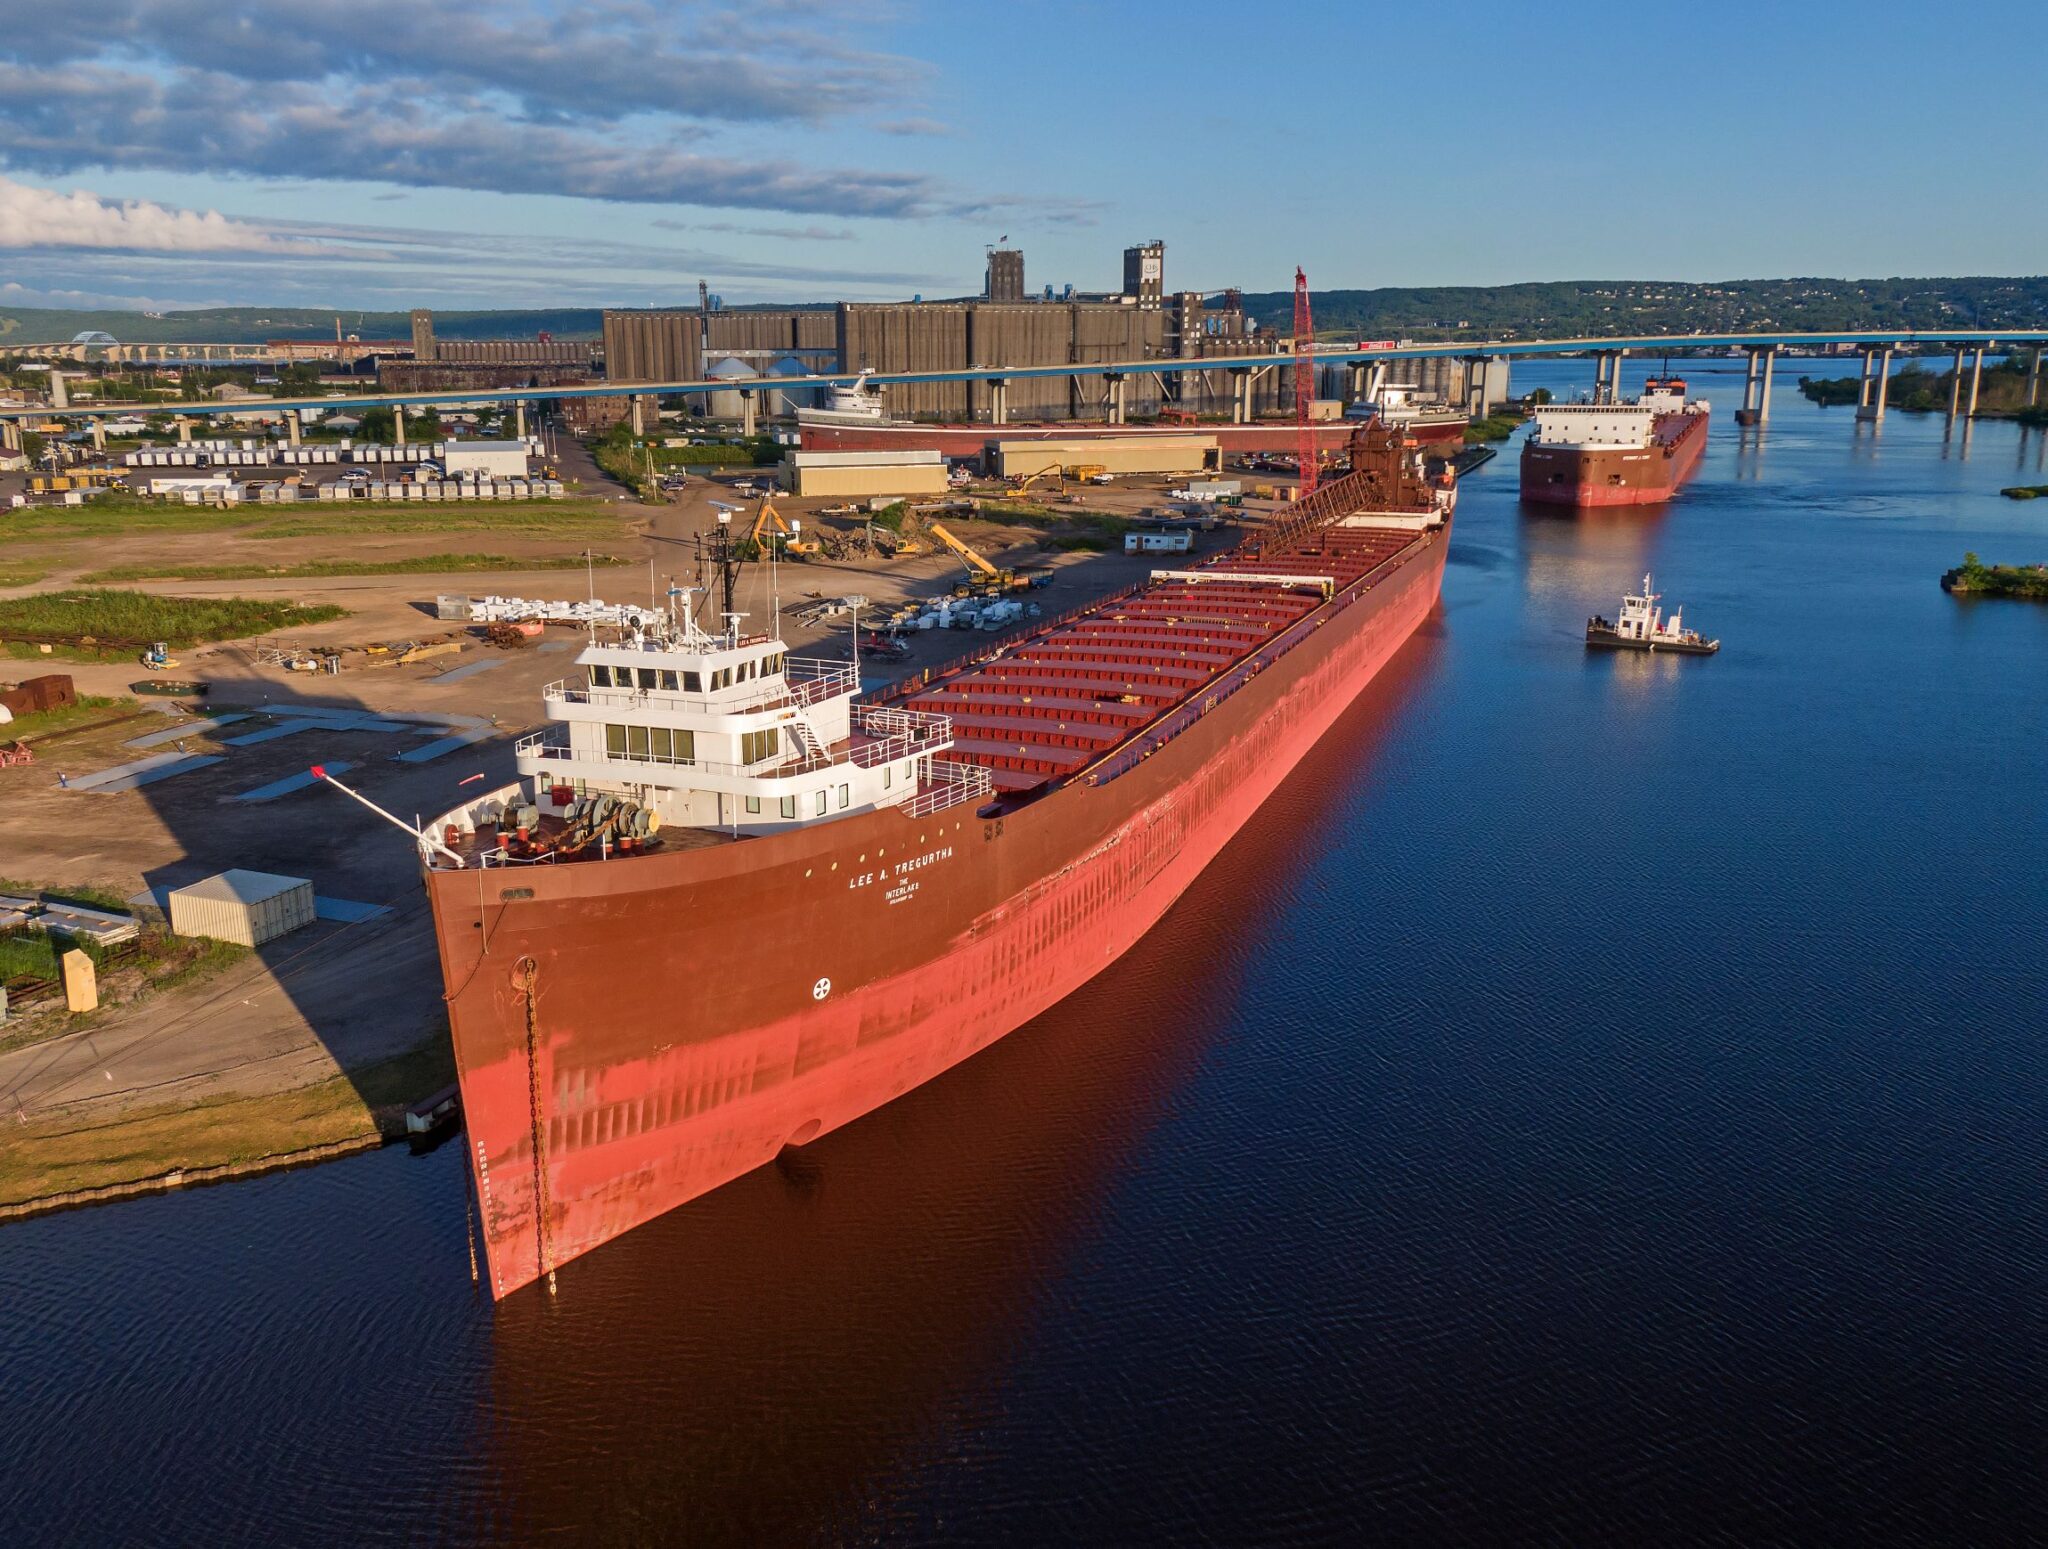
<point x="1642" y="626"/>
<point x="677" y="735"/>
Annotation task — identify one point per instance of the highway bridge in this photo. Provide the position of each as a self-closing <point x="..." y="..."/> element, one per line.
<point x="1368" y="365"/>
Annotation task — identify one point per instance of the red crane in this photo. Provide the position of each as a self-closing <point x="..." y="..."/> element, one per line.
<point x="1304" y="387"/>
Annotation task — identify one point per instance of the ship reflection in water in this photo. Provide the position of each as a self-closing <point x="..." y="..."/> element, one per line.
<point x="759" y="1362"/>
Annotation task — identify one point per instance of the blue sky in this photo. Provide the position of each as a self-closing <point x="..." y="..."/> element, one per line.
<point x="387" y="153"/>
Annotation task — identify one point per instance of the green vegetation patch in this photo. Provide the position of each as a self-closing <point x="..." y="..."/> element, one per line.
<point x="417" y="564"/>
<point x="1495" y="427"/>
<point x="20" y="575"/>
<point x="113" y="617"/>
<point x="1979" y="579"/>
<point x="757" y="453"/>
<point x="121" y="516"/>
<point x="2024" y="491"/>
<point x="40" y="724"/>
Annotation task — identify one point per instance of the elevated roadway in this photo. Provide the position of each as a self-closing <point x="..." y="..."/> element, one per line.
<point x="1362" y="357"/>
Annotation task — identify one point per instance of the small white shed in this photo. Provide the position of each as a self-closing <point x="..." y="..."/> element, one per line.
<point x="250" y="907"/>
<point x="492" y="459"/>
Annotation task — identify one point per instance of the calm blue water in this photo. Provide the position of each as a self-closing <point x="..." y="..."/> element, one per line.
<point x="1600" y="1101"/>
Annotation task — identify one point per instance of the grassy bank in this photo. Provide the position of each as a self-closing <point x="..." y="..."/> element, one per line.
<point x="39" y="725"/>
<point x="115" y="516"/>
<point x="117" y="617"/>
<point x="68" y="1152"/>
<point x="2024" y="491"/>
<point x="417" y="564"/>
<point x="1495" y="427"/>
<point x="20" y="575"/>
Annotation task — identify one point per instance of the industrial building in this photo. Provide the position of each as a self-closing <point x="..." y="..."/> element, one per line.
<point x="1167" y="454"/>
<point x="1005" y="327"/>
<point x="491" y="459"/>
<point x="861" y="475"/>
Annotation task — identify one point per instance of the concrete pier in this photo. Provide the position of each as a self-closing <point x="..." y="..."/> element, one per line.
<point x="1876" y="388"/>
<point x="1607" y="376"/>
<point x="519" y="410"/>
<point x="10" y="435"/>
<point x="184" y="431"/>
<point x="1955" y="386"/>
<point x="2034" y="379"/>
<point x="398" y="423"/>
<point x="1117" y="401"/>
<point x="1376" y="380"/>
<point x="1976" y="380"/>
<point x="293" y="427"/>
<point x="1240" y="395"/>
<point x="1763" y="400"/>
<point x="748" y="421"/>
<point x="998" y="401"/>
<point x="99" y="433"/>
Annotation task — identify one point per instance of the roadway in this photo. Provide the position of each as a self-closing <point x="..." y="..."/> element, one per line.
<point x="1646" y="344"/>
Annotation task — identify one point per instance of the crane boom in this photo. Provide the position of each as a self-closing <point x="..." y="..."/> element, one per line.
<point x="973" y="559"/>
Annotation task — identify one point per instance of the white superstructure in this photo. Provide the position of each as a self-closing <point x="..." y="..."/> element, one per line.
<point x="1613" y="426"/>
<point x="858" y="404"/>
<point x="727" y="732"/>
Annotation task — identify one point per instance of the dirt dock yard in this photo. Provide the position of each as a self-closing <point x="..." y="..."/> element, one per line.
<point x="297" y="1047"/>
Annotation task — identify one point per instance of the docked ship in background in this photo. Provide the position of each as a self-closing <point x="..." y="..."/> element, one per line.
<point x="730" y="904"/>
<point x="1409" y="410"/>
<point x="853" y="419"/>
<point x="1635" y="452"/>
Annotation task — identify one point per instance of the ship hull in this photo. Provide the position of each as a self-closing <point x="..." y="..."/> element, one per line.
<point x="663" y="1025"/>
<point x="1566" y="476"/>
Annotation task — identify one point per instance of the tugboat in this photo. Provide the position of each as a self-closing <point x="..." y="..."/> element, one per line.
<point x="1643" y="627"/>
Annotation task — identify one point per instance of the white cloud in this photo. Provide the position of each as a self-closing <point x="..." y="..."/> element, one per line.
<point x="33" y="217"/>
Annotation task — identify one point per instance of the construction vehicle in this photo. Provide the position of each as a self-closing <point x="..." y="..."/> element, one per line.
<point x="1088" y="473"/>
<point x="1059" y="479"/>
<point x="984" y="578"/>
<point x="789" y="534"/>
<point x="158" y="658"/>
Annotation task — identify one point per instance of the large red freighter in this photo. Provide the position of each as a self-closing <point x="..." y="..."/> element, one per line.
<point x="739" y="908"/>
<point x="1615" y="454"/>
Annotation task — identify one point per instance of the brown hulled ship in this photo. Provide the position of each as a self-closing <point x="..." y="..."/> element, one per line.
<point x="731" y="905"/>
<point x="1634" y="452"/>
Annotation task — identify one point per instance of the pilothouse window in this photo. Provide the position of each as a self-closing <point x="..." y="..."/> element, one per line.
<point x="692" y="683"/>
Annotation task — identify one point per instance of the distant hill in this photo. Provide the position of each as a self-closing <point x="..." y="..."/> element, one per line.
<point x="1587" y="308"/>
<point x="253" y="325"/>
<point x="1561" y="309"/>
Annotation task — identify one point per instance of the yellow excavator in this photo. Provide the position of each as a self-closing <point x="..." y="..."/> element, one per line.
<point x="1059" y="479"/>
<point x="790" y="534"/>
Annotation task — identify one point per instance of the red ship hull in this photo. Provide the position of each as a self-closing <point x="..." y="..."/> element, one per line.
<point x="633" y="1034"/>
<point x="1564" y="476"/>
<point x="970" y="441"/>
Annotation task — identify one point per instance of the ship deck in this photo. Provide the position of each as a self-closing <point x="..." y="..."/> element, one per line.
<point x="1047" y="706"/>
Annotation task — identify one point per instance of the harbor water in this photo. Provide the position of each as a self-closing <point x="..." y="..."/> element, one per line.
<point x="1602" y="1099"/>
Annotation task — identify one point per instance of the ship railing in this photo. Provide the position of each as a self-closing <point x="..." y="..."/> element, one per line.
<point x="504" y="857"/>
<point x="897" y="734"/>
<point x="948" y="783"/>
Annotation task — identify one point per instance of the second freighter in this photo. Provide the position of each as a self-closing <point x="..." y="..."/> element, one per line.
<point x="1617" y="453"/>
<point x="731" y="905"/>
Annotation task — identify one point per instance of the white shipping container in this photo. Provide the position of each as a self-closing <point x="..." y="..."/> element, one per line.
<point x="249" y="907"/>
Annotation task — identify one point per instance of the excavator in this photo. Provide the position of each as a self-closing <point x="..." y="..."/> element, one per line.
<point x="985" y="579"/>
<point x="1059" y="479"/>
<point x="791" y="537"/>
